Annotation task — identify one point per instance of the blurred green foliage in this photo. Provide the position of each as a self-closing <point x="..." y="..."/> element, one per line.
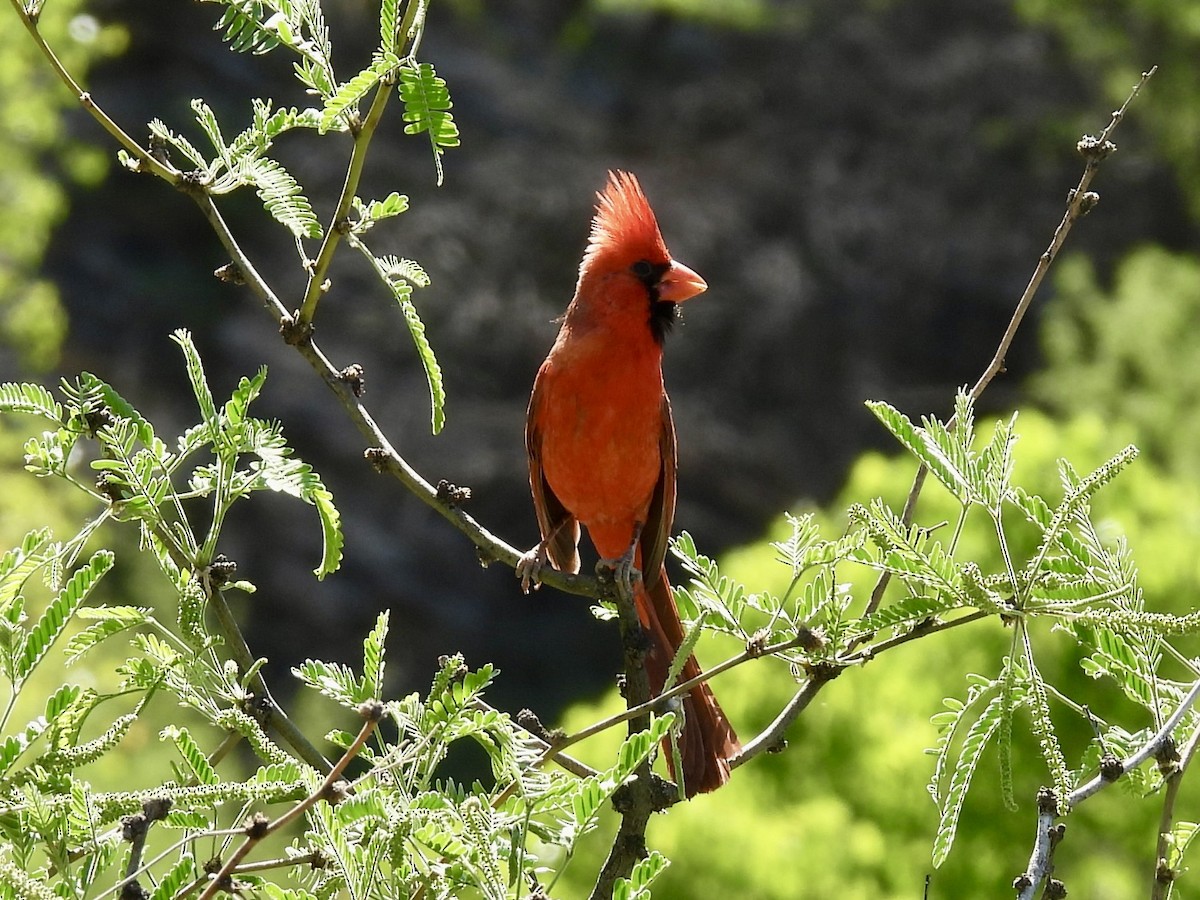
<point x="1128" y="351"/>
<point x="844" y="812"/>
<point x="39" y="159"/>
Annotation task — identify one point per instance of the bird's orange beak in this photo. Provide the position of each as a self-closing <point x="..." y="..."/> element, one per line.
<point x="680" y="283"/>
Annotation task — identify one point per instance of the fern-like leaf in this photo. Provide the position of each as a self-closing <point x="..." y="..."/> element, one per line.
<point x="60" y="611"/>
<point x="973" y="745"/>
<point x="196" y="761"/>
<point x="918" y="443"/>
<point x="374" y="657"/>
<point x="349" y="94"/>
<point x="182" y="873"/>
<point x="427" y="109"/>
<point x="109" y="620"/>
<point x="30" y="398"/>
<point x="245" y="23"/>
<point x="200" y="388"/>
<point x="283" y="198"/>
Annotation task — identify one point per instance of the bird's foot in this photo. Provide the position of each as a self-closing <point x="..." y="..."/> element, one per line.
<point x="623" y="570"/>
<point x="529" y="567"/>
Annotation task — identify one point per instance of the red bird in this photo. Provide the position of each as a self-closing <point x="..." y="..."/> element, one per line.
<point x="601" y="446"/>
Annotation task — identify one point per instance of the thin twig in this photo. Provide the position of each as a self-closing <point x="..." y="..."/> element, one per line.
<point x="363" y="132"/>
<point x="683" y="687"/>
<point x="141" y="154"/>
<point x="1080" y="201"/>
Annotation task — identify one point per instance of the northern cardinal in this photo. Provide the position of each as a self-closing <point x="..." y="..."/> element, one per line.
<point x="601" y="447"/>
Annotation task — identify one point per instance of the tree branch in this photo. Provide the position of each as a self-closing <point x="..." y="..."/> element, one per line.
<point x="1048" y="834"/>
<point x="638" y="799"/>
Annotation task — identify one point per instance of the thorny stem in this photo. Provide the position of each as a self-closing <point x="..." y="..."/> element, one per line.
<point x="1079" y="203"/>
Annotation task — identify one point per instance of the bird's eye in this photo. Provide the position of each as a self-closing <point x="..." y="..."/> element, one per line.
<point x="642" y="269"/>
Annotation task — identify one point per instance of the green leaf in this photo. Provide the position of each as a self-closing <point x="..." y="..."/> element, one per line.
<point x="121" y="408"/>
<point x="1043" y="725"/>
<point x="995" y="465"/>
<point x="919" y="444"/>
<point x="389" y="21"/>
<point x="30" y="398"/>
<point x="200" y="389"/>
<point x="278" y="470"/>
<point x="427" y="109"/>
<point x="245" y="25"/>
<point x="374" y="657"/>
<point x="197" y="762"/>
<point x="207" y="120"/>
<point x="164" y="135"/>
<point x="247" y="391"/>
<point x="282" y="197"/>
<point x="905" y="611"/>
<point x="60" y="611"/>
<point x="370" y="213"/>
<point x="397" y="275"/>
<point x="61" y="700"/>
<point x="182" y="873"/>
<point x="973" y="745"/>
<point x="335" y="681"/>
<point x="37" y="548"/>
<point x="383" y="66"/>
<point x="636" y="886"/>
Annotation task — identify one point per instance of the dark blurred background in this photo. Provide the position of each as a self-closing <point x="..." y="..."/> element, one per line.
<point x="866" y="188"/>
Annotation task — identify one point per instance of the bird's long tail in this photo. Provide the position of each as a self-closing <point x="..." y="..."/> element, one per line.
<point x="707" y="741"/>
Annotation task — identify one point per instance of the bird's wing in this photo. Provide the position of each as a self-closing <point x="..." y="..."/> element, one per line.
<point x="560" y="530"/>
<point x="661" y="513"/>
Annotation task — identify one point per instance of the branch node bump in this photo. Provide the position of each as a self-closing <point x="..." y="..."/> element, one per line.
<point x="334" y="794"/>
<point x="1167" y="757"/>
<point x="1056" y="834"/>
<point x="529" y="720"/>
<point x="1163" y="873"/>
<point x="1094" y="149"/>
<point x="1047" y="801"/>
<point x="371" y="710"/>
<point x="191" y="182"/>
<point x="1055" y="890"/>
<point x="1111" y="768"/>
<point x="377" y="457"/>
<point x="757" y="645"/>
<point x="230" y="273"/>
<point x="355" y="376"/>
<point x="451" y="494"/>
<point x="293" y="330"/>
<point x="222" y="570"/>
<point x="257" y="825"/>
